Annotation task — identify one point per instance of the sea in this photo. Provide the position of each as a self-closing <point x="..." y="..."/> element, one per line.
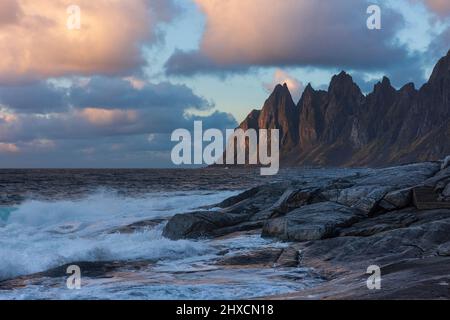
<point x="51" y="218"/>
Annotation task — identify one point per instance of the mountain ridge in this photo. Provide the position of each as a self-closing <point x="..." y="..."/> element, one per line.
<point x="343" y="127"/>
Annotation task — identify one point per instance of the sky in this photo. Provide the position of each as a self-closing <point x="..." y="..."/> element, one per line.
<point x="109" y="91"/>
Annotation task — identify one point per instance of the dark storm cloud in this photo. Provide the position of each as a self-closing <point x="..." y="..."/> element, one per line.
<point x="41" y="97"/>
<point x="68" y="140"/>
<point x="102" y="92"/>
<point x="120" y="93"/>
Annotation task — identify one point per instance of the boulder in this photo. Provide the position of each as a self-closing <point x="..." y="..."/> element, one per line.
<point x="138" y="226"/>
<point x="300" y="198"/>
<point x="201" y="224"/>
<point x="397" y="199"/>
<point x="445" y="163"/>
<point x="257" y="199"/>
<point x="399" y="177"/>
<point x="446" y="192"/>
<point x="312" y="222"/>
<point x="364" y="198"/>
<point x="442" y="175"/>
<point x="264" y="257"/>
<point x="444" y="249"/>
<point x="418" y="240"/>
<point x="288" y="258"/>
<point x="382" y="223"/>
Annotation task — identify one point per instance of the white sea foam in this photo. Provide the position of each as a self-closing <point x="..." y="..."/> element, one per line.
<point x="212" y="285"/>
<point x="39" y="235"/>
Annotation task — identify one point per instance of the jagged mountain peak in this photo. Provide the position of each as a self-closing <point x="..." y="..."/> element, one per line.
<point x="309" y="88"/>
<point x="280" y="96"/>
<point x="384" y="87"/>
<point x="342" y="83"/>
<point x="342" y="76"/>
<point x="441" y="70"/>
<point x="386" y="82"/>
<point x="409" y="87"/>
<point x="281" y="88"/>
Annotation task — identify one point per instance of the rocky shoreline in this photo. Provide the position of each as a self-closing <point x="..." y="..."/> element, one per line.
<point x="340" y="227"/>
<point x="331" y="229"/>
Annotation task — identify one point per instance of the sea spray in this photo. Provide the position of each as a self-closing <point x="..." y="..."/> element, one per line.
<point x="39" y="235"/>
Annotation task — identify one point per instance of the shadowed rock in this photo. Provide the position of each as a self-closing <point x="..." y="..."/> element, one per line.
<point x="201" y="224"/>
<point x="313" y="222"/>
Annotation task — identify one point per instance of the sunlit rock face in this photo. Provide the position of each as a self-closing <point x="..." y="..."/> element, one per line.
<point x="343" y="127"/>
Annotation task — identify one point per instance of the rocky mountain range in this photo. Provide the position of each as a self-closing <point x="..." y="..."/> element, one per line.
<point x="344" y="127"/>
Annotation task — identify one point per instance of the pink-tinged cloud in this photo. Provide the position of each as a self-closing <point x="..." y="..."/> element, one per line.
<point x="35" y="42"/>
<point x="8" y="148"/>
<point x="441" y="7"/>
<point x="242" y="33"/>
<point x="7" y="117"/>
<point x="107" y="117"/>
<point x="295" y="86"/>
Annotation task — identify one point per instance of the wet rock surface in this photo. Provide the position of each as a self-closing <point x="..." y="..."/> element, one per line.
<point x="138" y="226"/>
<point x="309" y="210"/>
<point x="312" y="222"/>
<point x="342" y="226"/>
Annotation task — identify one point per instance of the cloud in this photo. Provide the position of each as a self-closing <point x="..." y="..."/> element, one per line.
<point x="102" y="122"/>
<point x="97" y="138"/>
<point x="39" y="97"/>
<point x="107" y="117"/>
<point x="10" y="12"/>
<point x="123" y="93"/>
<point x="242" y="34"/>
<point x="8" y="148"/>
<point x="105" y="93"/>
<point x="295" y="86"/>
<point x="440" y="7"/>
<point x="36" y="43"/>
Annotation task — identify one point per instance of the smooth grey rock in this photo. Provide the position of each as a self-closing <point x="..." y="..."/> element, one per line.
<point x="397" y="199"/>
<point x="300" y="198"/>
<point x="252" y="258"/>
<point x="382" y="223"/>
<point x="445" y="163"/>
<point x="446" y="192"/>
<point x="364" y="198"/>
<point x="288" y="258"/>
<point x="312" y="222"/>
<point x="259" y="199"/>
<point x="138" y="226"/>
<point x="415" y="241"/>
<point x="444" y="249"/>
<point x="333" y="190"/>
<point x="200" y="224"/>
<point x="433" y="181"/>
<point x="400" y="177"/>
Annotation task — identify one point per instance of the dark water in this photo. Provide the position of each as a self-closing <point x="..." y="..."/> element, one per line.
<point x="52" y="184"/>
<point x="56" y="184"/>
